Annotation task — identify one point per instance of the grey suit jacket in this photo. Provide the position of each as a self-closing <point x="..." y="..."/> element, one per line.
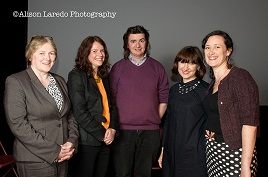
<point x="33" y="117"/>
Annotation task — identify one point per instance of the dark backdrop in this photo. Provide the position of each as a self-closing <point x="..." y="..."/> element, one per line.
<point x="14" y="40"/>
<point x="12" y="59"/>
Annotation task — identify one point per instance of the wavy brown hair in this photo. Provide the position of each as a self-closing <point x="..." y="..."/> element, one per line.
<point x="82" y="62"/>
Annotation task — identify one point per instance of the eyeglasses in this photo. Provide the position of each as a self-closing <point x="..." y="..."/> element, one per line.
<point x="38" y="37"/>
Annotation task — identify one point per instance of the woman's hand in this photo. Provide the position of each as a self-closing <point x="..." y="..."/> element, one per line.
<point x="66" y="152"/>
<point x="161" y="158"/>
<point x="109" y="136"/>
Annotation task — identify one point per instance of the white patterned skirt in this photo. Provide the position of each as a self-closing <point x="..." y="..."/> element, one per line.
<point x="222" y="162"/>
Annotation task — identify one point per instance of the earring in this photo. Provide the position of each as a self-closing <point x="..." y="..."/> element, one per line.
<point x="205" y="63"/>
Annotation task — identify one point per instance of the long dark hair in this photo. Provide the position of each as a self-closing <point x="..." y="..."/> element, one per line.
<point x="82" y="62"/>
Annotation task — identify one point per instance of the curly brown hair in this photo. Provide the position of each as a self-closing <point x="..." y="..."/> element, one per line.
<point x="82" y="62"/>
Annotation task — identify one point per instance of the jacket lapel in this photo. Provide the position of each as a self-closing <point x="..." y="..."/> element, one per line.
<point x="39" y="87"/>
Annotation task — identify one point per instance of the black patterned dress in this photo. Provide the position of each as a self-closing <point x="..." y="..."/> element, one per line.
<point x="184" y="128"/>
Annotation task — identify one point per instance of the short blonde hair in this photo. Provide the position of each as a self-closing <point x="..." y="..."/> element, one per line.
<point x="35" y="43"/>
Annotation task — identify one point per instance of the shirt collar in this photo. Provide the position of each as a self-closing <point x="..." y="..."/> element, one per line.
<point x="140" y="61"/>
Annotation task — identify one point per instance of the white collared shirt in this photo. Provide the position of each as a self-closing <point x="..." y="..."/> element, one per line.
<point x="140" y="62"/>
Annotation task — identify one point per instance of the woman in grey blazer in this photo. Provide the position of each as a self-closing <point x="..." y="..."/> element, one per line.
<point x="38" y="112"/>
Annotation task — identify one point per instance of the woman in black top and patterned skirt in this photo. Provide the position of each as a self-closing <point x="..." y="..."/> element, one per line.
<point x="232" y="107"/>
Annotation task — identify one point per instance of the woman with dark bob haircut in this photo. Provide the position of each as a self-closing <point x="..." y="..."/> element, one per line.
<point x="183" y="145"/>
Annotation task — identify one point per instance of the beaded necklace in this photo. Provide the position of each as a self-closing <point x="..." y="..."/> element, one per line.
<point x="183" y="88"/>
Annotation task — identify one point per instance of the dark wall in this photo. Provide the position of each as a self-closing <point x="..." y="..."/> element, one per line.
<point x="262" y="141"/>
<point x="13" y="60"/>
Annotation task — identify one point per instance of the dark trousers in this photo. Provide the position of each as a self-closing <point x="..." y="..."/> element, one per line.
<point x="90" y="161"/>
<point x="135" y="149"/>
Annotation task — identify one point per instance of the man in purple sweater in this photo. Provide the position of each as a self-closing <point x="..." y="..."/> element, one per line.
<point x="139" y="85"/>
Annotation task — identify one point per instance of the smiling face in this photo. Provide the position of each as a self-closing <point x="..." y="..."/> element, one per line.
<point x="137" y="45"/>
<point x="216" y="52"/>
<point x="187" y="71"/>
<point x="96" y="55"/>
<point x="43" y="58"/>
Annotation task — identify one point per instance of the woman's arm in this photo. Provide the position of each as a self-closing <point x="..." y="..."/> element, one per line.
<point x="162" y="109"/>
<point x="249" y="134"/>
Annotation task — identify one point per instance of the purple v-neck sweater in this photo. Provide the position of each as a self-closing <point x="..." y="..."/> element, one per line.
<point x="138" y="91"/>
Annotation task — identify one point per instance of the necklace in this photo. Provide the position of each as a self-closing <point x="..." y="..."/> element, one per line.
<point x="220" y="78"/>
<point x="98" y="80"/>
<point x="183" y="88"/>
